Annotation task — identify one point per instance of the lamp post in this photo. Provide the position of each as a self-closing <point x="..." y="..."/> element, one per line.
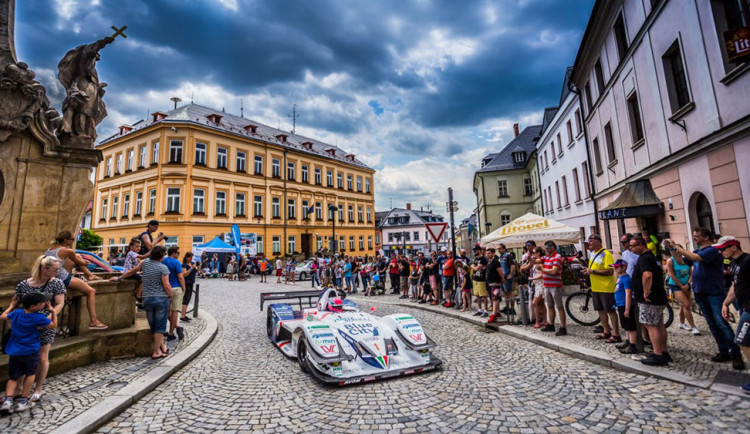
<point x="333" y="209"/>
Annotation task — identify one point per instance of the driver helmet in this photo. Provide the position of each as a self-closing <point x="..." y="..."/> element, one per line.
<point x="335" y="305"/>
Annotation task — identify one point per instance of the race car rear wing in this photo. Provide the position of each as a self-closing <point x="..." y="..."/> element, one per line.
<point x="311" y="296"/>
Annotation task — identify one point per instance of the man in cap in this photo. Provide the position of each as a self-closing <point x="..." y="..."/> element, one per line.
<point x="730" y="248"/>
<point x="147" y="239"/>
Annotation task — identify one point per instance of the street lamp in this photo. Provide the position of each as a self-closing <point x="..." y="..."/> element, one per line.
<point x="333" y="209"/>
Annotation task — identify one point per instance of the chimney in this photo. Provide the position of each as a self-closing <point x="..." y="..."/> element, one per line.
<point x="408" y="206"/>
<point x="515" y="130"/>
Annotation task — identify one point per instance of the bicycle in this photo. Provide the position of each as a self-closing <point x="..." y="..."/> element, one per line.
<point x="580" y="308"/>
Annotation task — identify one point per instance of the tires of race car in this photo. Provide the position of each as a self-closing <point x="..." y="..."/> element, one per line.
<point x="269" y="323"/>
<point x="302" y="354"/>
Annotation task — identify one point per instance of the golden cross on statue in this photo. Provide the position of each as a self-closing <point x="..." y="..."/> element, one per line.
<point x="120" y="32"/>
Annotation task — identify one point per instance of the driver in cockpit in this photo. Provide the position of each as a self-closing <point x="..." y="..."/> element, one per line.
<point x="335" y="304"/>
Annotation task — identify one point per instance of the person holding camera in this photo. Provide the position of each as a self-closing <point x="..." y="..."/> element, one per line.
<point x="147" y="240"/>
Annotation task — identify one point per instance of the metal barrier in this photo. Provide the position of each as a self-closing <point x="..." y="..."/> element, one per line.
<point x="196" y="300"/>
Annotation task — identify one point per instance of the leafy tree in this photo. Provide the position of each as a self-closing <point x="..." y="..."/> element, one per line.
<point x="89" y="240"/>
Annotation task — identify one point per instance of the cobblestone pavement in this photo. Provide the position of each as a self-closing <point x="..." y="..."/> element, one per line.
<point x="69" y="394"/>
<point x="489" y="382"/>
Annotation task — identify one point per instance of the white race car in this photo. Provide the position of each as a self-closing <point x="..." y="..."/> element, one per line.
<point x="339" y="344"/>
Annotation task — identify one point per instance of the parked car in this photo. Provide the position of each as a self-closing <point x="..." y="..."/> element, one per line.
<point x="98" y="265"/>
<point x="303" y="270"/>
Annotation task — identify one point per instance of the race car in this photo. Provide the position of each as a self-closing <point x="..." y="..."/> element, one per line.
<point x="339" y="344"/>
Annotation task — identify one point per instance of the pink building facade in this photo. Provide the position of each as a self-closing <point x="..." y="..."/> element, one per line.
<point x="667" y="118"/>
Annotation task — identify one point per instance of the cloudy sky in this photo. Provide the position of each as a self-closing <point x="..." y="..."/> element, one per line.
<point x="418" y="89"/>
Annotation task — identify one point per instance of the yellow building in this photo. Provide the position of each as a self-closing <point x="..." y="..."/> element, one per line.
<point x="198" y="171"/>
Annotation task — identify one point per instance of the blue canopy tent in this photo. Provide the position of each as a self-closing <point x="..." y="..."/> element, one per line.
<point x="214" y="246"/>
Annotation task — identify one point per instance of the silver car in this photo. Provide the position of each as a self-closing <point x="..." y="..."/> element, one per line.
<point x="303" y="270"/>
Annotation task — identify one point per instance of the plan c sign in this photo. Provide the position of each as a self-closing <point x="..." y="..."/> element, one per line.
<point x="436" y="230"/>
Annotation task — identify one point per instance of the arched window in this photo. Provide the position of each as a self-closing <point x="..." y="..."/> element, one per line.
<point x="703" y="212"/>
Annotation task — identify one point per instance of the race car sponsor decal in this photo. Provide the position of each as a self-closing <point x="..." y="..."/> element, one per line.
<point x="359" y="328"/>
<point x="404" y="317"/>
<point x="322" y="335"/>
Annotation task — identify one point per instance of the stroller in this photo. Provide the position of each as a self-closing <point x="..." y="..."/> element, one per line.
<point x="378" y="285"/>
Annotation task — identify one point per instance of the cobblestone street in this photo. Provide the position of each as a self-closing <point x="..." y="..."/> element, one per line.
<point x="489" y="382"/>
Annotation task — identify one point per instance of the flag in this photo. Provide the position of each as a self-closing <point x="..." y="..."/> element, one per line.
<point x="471" y="228"/>
<point x="311" y="209"/>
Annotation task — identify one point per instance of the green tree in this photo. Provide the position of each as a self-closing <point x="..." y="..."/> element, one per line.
<point x="89" y="240"/>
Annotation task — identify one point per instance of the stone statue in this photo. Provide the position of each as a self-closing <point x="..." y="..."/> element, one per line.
<point x="83" y="108"/>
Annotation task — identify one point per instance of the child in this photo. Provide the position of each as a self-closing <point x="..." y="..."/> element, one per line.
<point x="466" y="286"/>
<point x="414" y="282"/>
<point x="537" y="283"/>
<point x="230" y="268"/>
<point x="263" y="265"/>
<point x="24" y="344"/>
<point x="625" y="307"/>
<point x="131" y="260"/>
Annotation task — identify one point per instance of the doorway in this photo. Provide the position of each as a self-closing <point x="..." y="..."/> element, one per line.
<point x="704" y="213"/>
<point x="306" y="244"/>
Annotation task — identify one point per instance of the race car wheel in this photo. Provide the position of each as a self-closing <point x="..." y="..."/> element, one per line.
<point x="269" y="324"/>
<point x="302" y="354"/>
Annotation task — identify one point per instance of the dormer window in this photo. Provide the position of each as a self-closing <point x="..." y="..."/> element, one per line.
<point x="519" y="157"/>
<point x="308" y="145"/>
<point x="331" y="152"/>
<point x="124" y="129"/>
<point x="282" y="138"/>
<point x="215" y="118"/>
<point x="251" y="128"/>
<point x="158" y="116"/>
<point x="486" y="161"/>
<point x="350" y="157"/>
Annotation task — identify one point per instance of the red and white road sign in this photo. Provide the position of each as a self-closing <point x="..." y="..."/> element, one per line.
<point x="436" y="230"/>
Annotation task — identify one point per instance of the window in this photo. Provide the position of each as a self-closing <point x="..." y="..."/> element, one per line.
<point x="369" y="215"/>
<point x="199" y="197"/>
<point x="579" y="126"/>
<point x="504" y="219"/>
<point x="545" y="201"/>
<point x="339" y="180"/>
<point x="559" y="145"/>
<point x="291" y="209"/>
<point x="276" y="168"/>
<point x="125" y="205"/>
<point x="259" y="165"/>
<point x="621" y="38"/>
<point x="155" y="156"/>
<point x="369" y="241"/>
<point x="221" y="203"/>
<point x="275" y="207"/>
<point x="367" y="185"/>
<point x="502" y="188"/>
<point x="319" y="242"/>
<point x="361" y="242"/>
<point x="118" y="166"/>
<point x="518" y="157"/>
<point x="129" y="167"/>
<point x="258" y="206"/>
<point x="611" y="156"/>
<point x="407" y="236"/>
<point x="329" y="178"/>
<point x="557" y="190"/>
<point x="305" y="174"/>
<point x="576" y="185"/>
<point x="200" y="154"/>
<point x="221" y="158"/>
<point x="636" y="124"/>
<point x="342" y="244"/>
<point x="198" y="240"/>
<point x="348" y="182"/>
<point x="569" y="126"/>
<point x="290" y="170"/>
<point x="341" y="212"/>
<point x="138" y="203"/>
<point x="318" y="211"/>
<point x="259" y="244"/>
<point x="360" y="215"/>
<point x="114" y="206"/>
<point x="173" y="200"/>
<point x="527" y="188"/>
<point x="390" y="237"/>
<point x="175" y="151"/>
<point x="674" y="71"/>
<point x="241" y="158"/>
<point x="331" y="215"/>
<point x="730" y="15"/>
<point x="317" y="176"/>
<point x="597" y="157"/>
<point x="416" y="235"/>
<point x="291" y="244"/>
<point x="359" y="184"/>
<point x="565" y="191"/>
<point x="142" y="157"/>
<point x="351" y="242"/>
<point x="599" y="75"/>
<point x="108" y="171"/>
<point x="585" y="174"/>
<point x="276" y="244"/>
<point x="239" y="205"/>
<point x="351" y="213"/>
<point x="104" y="209"/>
<point x="151" y="201"/>
<point x="546" y="160"/>
<point x="589" y="100"/>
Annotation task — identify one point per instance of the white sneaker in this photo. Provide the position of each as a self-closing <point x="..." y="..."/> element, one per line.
<point x="7" y="407"/>
<point x="684" y="326"/>
<point x="23" y="406"/>
<point x="696" y="332"/>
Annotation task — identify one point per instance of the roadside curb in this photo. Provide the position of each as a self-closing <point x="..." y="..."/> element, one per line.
<point x="108" y="408"/>
<point x="579" y="352"/>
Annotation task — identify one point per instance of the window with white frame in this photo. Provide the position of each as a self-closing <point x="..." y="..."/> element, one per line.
<point x="258" y="206"/>
<point x="576" y="185"/>
<point x="557" y="190"/>
<point x="239" y="204"/>
<point x="502" y="188"/>
<point x="175" y="151"/>
<point x="527" y="187"/>
<point x="305" y="208"/>
<point x="360" y="215"/>
<point x="341" y="212"/>
<point x="290" y="172"/>
<point x="291" y="209"/>
<point x="125" y="205"/>
<point x="171" y="241"/>
<point x="504" y="219"/>
<point x="416" y="236"/>
<point x="276" y="244"/>
<point x="291" y="246"/>
<point x="104" y="209"/>
<point x="259" y="165"/>
<point x="367" y="185"/>
<point x="329" y="178"/>
<point x="114" y="206"/>
<point x="259" y="244"/>
<point x="342" y="244"/>
<point x="569" y="127"/>
<point x="142" y="156"/>
<point x="138" y="203"/>
<point x="275" y="207"/>
<point x="390" y="237"/>
<point x="198" y="240"/>
<point x="305" y="173"/>
<point x="369" y="215"/>
<point x="359" y="184"/>
<point x="597" y="156"/>
<point x="676" y="77"/>
<point x="351" y="242"/>
<point x="565" y="191"/>
<point x="348" y="182"/>
<point x="611" y="155"/>
<point x="152" y="201"/>
<point x="585" y="175"/>
<point x="241" y="158"/>
<point x="221" y="158"/>
<point x="221" y="203"/>
<point x="200" y="154"/>
<point x="369" y="242"/>
<point x="318" y="211"/>
<point x="340" y="180"/>
<point x="636" y="123"/>
<point x="579" y="126"/>
<point x="276" y="168"/>
<point x="361" y="242"/>
<point x="319" y="242"/>
<point x="351" y="213"/>
<point x="155" y="154"/>
<point x="108" y="170"/>
<point x="129" y="166"/>
<point x="199" y="200"/>
<point x="173" y="200"/>
<point x="118" y="166"/>
<point x="317" y="176"/>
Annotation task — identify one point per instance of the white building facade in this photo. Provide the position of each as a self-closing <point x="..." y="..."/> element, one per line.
<point x="404" y="231"/>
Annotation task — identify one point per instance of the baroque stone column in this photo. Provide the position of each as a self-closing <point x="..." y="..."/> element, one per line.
<point x="45" y="183"/>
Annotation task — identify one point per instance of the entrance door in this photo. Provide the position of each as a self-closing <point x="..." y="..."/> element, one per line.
<point x="703" y="212"/>
<point x="306" y="244"/>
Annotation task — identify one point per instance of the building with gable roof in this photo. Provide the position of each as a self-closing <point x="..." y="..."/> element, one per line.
<point x="198" y="171"/>
<point x="403" y="230"/>
<point x="507" y="183"/>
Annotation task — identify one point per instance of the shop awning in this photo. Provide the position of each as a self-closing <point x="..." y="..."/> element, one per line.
<point x="636" y="200"/>
<point x="531" y="227"/>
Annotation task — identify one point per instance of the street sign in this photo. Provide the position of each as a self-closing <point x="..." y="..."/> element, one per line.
<point x="451" y="206"/>
<point x="436" y="230"/>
